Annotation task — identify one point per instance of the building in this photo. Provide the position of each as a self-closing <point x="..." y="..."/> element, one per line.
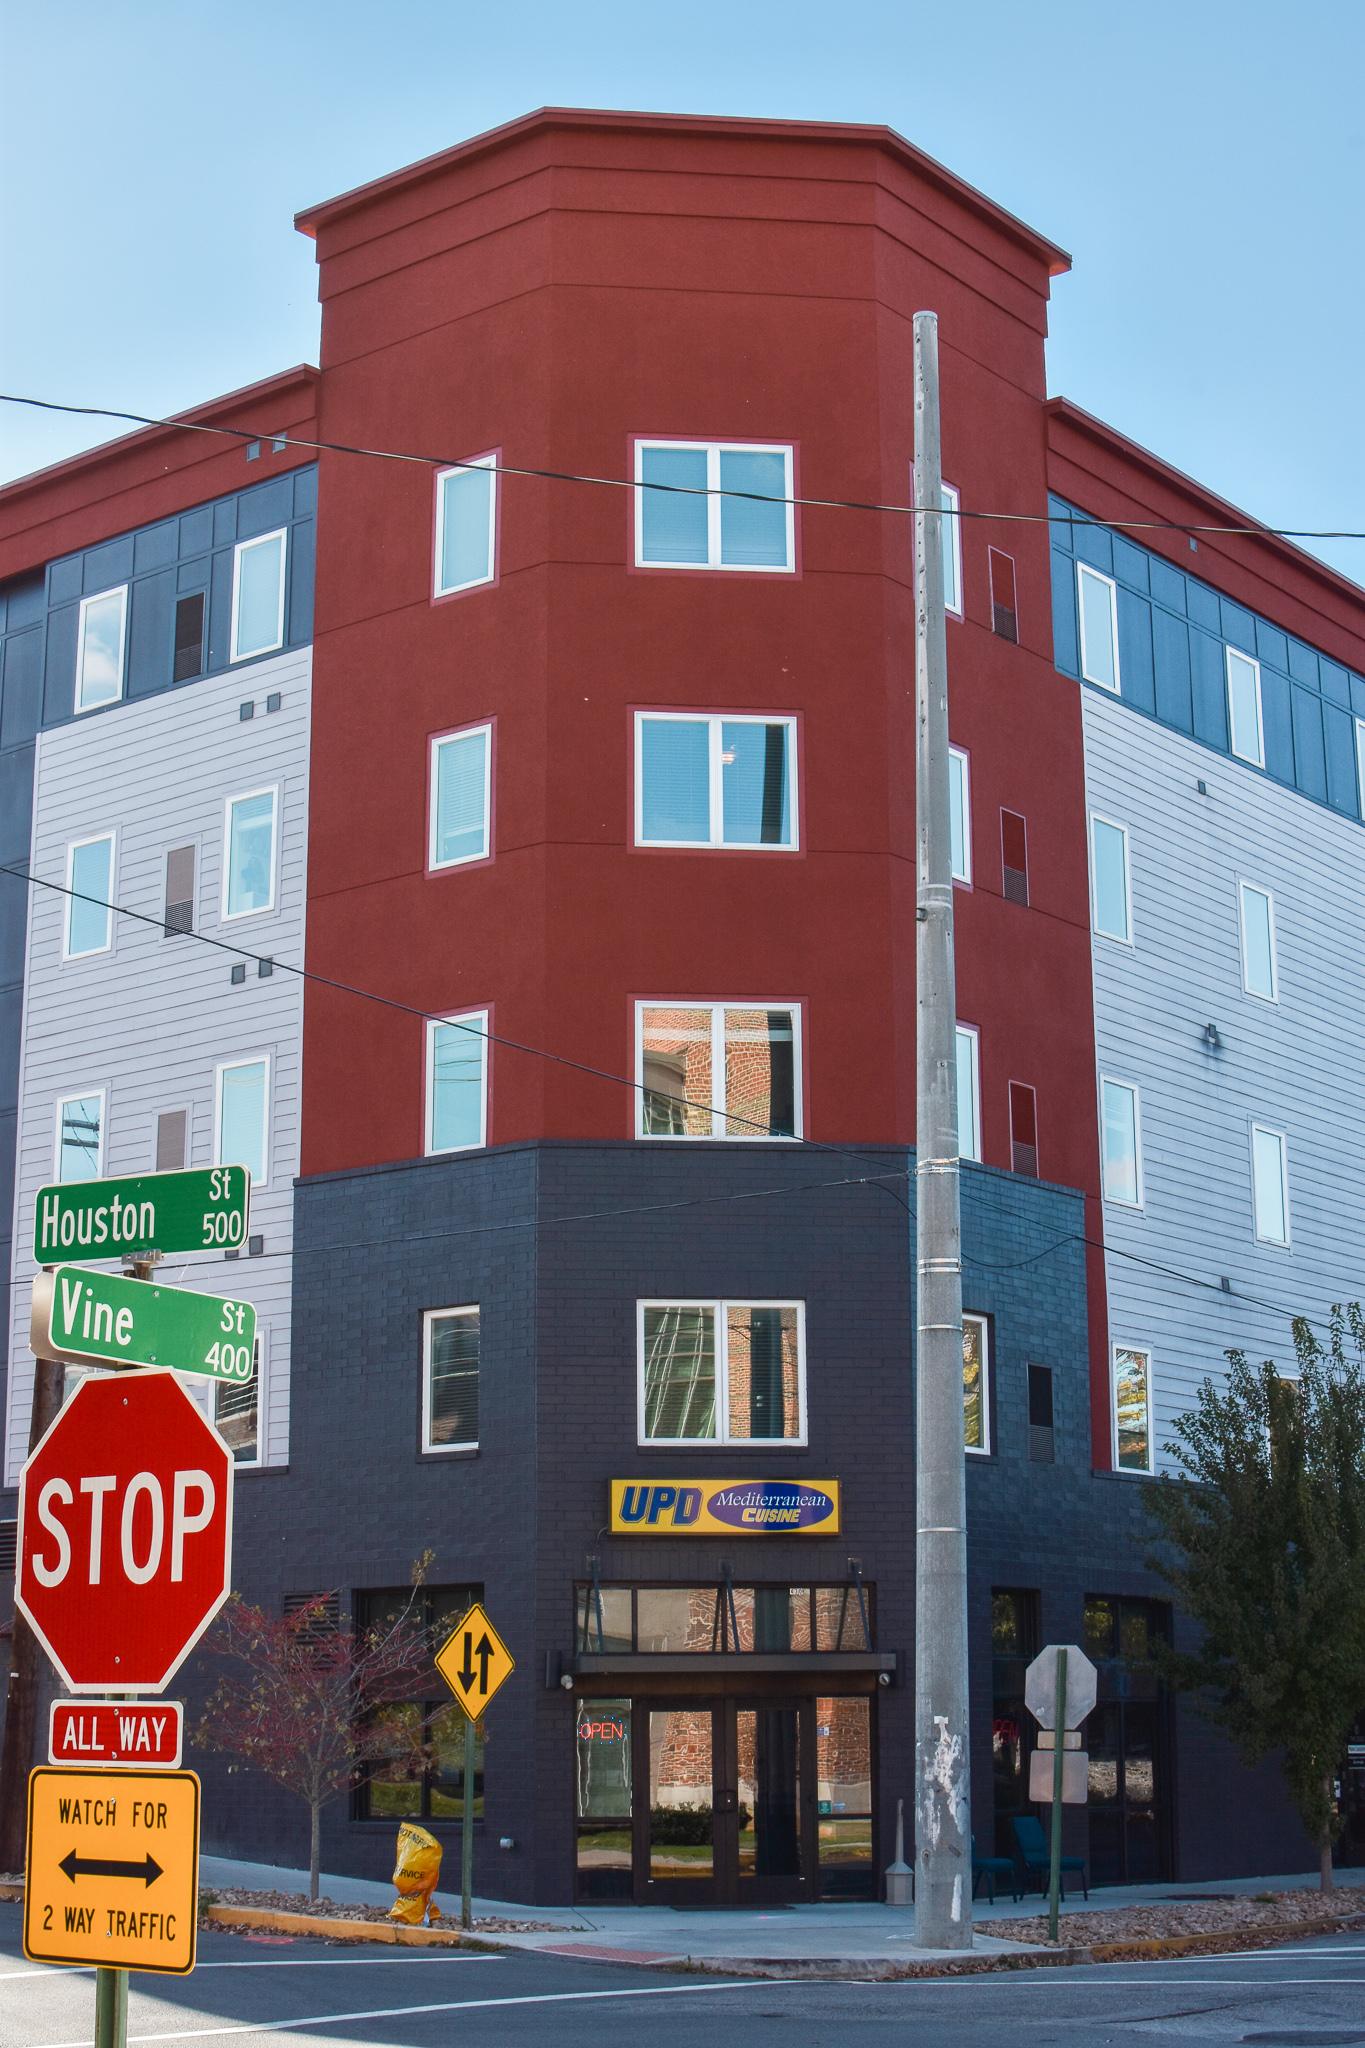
<point x="599" y="1112"/>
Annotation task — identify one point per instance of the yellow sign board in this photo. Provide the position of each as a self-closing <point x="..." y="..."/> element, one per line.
<point x="725" y="1507"/>
<point x="113" y="1868"/>
<point x="475" y="1662"/>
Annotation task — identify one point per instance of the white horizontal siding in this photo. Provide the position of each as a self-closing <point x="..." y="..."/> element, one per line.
<point x="150" y="1020"/>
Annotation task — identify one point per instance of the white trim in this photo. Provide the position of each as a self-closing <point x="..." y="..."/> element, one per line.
<point x="272" y="790"/>
<point x="119" y="590"/>
<point x="1121" y="1201"/>
<point x="719" y="1328"/>
<point x="1257" y="760"/>
<point x="714" y="451"/>
<point x="1084" y="569"/>
<point x="433" y="1025"/>
<point x="1256" y="890"/>
<point x="715" y="721"/>
<point x="1256" y="1130"/>
<point x="73" y="848"/>
<point x="986" y="1446"/>
<point x="258" y="540"/>
<point x="1360" y="763"/>
<point x="1098" y="818"/>
<point x="952" y="533"/>
<point x="971" y="1034"/>
<point x="216" y="1385"/>
<point x="446" y="739"/>
<point x="221" y="1067"/>
<point x="78" y="1095"/>
<point x="429" y="1316"/>
<point x="719" y="1121"/>
<point x="488" y="462"/>
<point x="1143" y="1351"/>
<point x="963" y="760"/>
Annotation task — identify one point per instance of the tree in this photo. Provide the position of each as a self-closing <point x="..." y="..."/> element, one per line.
<point x="308" y="1708"/>
<point x="1264" y="1548"/>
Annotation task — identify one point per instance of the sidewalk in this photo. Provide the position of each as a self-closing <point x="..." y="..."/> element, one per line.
<point x="863" y="1932"/>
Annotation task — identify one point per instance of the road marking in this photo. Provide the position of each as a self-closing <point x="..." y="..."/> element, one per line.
<point x="271" y="1963"/>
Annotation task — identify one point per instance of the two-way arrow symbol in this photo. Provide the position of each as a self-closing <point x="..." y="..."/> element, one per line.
<point x="483" y="1653"/>
<point x="93" y="1866"/>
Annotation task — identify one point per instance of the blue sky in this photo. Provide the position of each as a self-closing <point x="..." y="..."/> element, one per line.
<point x="1204" y="162"/>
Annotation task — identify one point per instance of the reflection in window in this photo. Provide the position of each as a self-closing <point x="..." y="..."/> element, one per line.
<point x="603" y="1773"/>
<point x="1119" y="1132"/>
<point x="680" y="1778"/>
<point x="79" y="1118"/>
<point x="705" y="781"/>
<point x="1132" y="1409"/>
<point x="451" y="1393"/>
<point x="457" y="1059"/>
<point x="968" y="1045"/>
<point x="89" y="875"/>
<point x="843" y="1790"/>
<point x="975" y="1407"/>
<point x="250" y="881"/>
<point x="99" y="652"/>
<point x="718" y="1072"/>
<point x="1244" y="707"/>
<point x="721" y="1372"/>
<point x="236" y="1410"/>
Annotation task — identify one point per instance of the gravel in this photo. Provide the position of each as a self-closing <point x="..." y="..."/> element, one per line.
<point x="1171" y="1917"/>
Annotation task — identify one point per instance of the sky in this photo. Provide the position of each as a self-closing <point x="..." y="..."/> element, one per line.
<point x="1203" y="162"/>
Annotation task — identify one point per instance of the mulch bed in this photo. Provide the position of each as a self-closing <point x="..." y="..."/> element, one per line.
<point x="336" y="1909"/>
<point x="1170" y="1918"/>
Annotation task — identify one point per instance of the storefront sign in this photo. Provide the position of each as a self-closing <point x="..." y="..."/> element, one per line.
<point x="720" y="1507"/>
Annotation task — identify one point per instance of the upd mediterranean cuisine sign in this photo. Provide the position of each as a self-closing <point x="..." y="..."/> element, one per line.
<point x="719" y="1507"/>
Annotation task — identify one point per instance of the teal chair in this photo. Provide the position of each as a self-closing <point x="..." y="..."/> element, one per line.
<point x="991" y="1867"/>
<point x="1037" y="1855"/>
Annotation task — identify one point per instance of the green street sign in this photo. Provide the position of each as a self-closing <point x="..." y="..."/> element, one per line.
<point x="100" y="1319"/>
<point x="149" y="1212"/>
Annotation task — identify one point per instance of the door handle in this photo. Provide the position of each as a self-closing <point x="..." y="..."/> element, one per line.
<point x="726" y="1802"/>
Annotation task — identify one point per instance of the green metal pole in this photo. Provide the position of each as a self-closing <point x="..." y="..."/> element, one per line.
<point x="467" y="1831"/>
<point x="1059" y="1739"/>
<point x="111" y="2008"/>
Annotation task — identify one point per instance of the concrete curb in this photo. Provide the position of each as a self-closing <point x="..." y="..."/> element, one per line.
<point x="332" y="1929"/>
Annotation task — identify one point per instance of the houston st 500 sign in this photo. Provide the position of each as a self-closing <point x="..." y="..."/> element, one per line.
<point x="162" y="1212"/>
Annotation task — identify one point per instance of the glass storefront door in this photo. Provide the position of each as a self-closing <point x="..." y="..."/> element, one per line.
<point x="768" y="1770"/>
<point x="682" y="1805"/>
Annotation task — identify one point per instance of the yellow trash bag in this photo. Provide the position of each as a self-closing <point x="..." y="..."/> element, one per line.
<point x="415" y="1875"/>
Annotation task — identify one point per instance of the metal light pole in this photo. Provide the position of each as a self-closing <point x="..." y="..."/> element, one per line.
<point x="943" y="1863"/>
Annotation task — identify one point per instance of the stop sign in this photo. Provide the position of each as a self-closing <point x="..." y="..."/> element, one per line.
<point x="125" y="1533"/>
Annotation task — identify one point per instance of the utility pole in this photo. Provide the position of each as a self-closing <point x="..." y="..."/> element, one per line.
<point x="943" y="1863"/>
<point x="21" y="1700"/>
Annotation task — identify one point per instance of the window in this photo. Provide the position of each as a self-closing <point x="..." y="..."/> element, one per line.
<point x="721" y="1372"/>
<point x="466" y="511"/>
<point x="714" y="781"/>
<point x="1099" y="628"/>
<point x="1004" y="616"/>
<point x="413" y="1767"/>
<point x="1244" y="707"/>
<point x="249" y="868"/>
<point x="1041" y="1440"/>
<point x="1360" y="762"/>
<point x="450" y="1379"/>
<point x="1258" y="941"/>
<point x="722" y="1618"/>
<point x="1014" y="857"/>
<point x="1269" y="1185"/>
<point x="604" y="1774"/>
<point x="461" y="782"/>
<point x="1132" y="1409"/>
<point x="89" y="877"/>
<point x="99" y="648"/>
<point x="960" y="814"/>
<point x="968" y="1092"/>
<point x="1023" y="1129"/>
<point x="188" y="658"/>
<point x="258" y="595"/>
<point x="951" y="500"/>
<point x="80" y="1136"/>
<point x="1120" y="1136"/>
<point x="236" y="1410"/>
<point x="976" y="1406"/>
<point x="684" y="520"/>
<point x="1112" y="903"/>
<point x="457" y="1095"/>
<point x="718" y="1071"/>
<point x="240" y="1123"/>
<point x="180" y="891"/>
<point x="171" y="1133"/>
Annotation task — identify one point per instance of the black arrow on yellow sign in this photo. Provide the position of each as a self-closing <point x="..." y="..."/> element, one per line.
<point x="483" y="1653"/>
<point x="76" y="1866"/>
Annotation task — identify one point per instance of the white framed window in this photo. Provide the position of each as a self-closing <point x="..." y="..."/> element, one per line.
<point x="1111" y="898"/>
<point x="241" y="1116"/>
<point x="1099" y="609"/>
<point x="1132" y="1408"/>
<point x="1269" y="1185"/>
<point x="968" y="1092"/>
<point x="951" y="500"/>
<point x="100" y="639"/>
<point x="461" y="797"/>
<point x="258" y="594"/>
<point x="976" y="1385"/>
<point x="1257" y="908"/>
<point x="90" y="878"/>
<point x="450" y="1379"/>
<point x="685" y="520"/>
<point x="466" y="525"/>
<point x="721" y="1372"/>
<point x="249" y="837"/>
<point x="1244" y="708"/>
<point x="715" y="779"/>
<point x="237" y="1411"/>
<point x="960" y="813"/>
<point x="1121" y="1142"/>
<point x="78" y="1151"/>
<point x="718" y="1070"/>
<point x="1360" y="763"/>
<point x="457" y="1082"/>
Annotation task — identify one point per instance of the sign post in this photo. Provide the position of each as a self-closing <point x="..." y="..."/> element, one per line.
<point x="1060" y="1688"/>
<point x="474" y="1662"/>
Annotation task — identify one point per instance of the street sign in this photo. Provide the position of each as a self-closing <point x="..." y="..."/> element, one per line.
<point x="1040" y="1687"/>
<point x="113" y="1869"/>
<point x="1075" y="1776"/>
<point x="475" y="1662"/>
<point x="120" y="1734"/>
<point x="103" y="1319"/>
<point x="125" y="1533"/>
<point x="204" y="1210"/>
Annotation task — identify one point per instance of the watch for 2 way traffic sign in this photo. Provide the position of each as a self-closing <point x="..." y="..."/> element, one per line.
<point x="113" y="1869"/>
<point x="475" y="1662"/>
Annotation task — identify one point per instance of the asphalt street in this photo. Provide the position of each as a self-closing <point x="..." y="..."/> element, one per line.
<point x="265" y="1990"/>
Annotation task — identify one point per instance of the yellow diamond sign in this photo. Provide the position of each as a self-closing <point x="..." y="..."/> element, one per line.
<point x="475" y="1662"/>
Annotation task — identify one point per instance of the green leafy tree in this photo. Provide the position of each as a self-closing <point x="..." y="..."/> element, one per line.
<point x="1264" y="1548"/>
